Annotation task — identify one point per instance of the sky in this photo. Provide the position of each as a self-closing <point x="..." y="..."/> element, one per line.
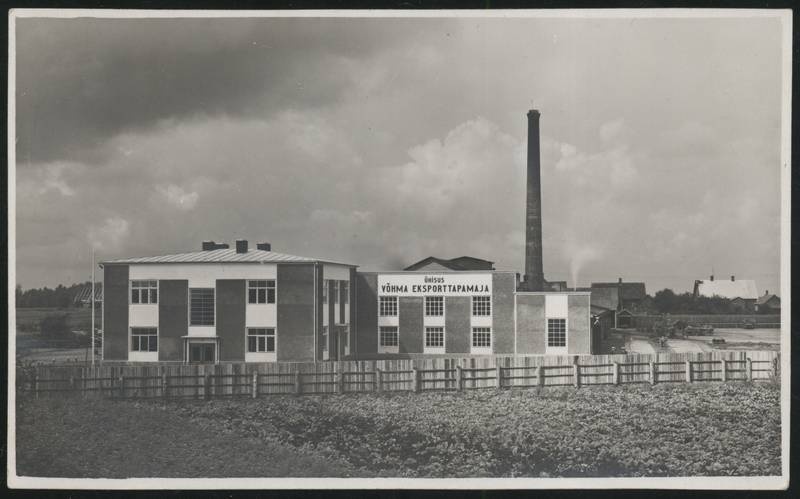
<point x="383" y="141"/>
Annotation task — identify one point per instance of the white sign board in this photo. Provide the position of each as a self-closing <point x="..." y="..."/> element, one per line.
<point x="434" y="284"/>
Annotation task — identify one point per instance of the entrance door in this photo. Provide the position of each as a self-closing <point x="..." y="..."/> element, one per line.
<point x="201" y="352"/>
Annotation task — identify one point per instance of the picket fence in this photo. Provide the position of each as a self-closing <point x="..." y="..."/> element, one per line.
<point x="419" y="375"/>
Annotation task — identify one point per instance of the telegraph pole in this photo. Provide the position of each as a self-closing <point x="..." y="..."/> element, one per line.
<point x="93" y="312"/>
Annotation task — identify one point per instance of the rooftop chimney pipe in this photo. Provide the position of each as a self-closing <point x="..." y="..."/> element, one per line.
<point x="620" y="280"/>
<point x="733" y="278"/>
<point x="264" y="246"/>
<point x="241" y="245"/>
<point x="534" y="275"/>
<point x="712" y="277"/>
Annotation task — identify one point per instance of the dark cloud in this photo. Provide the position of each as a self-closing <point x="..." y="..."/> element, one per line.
<point x="80" y="81"/>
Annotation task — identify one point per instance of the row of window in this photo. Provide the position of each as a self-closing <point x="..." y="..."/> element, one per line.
<point x="258" y="292"/>
<point x="259" y="339"/>
<point x="389" y="336"/>
<point x="341" y="291"/>
<point x="434" y="306"/>
<point x="145" y="339"/>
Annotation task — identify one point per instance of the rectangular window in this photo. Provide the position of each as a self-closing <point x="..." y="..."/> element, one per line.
<point x="388" y="336"/>
<point x="336" y="292"/>
<point x="345" y="292"/>
<point x="325" y="291"/>
<point x="434" y="306"/>
<point x="144" y="339"/>
<point x="556" y="333"/>
<point x="482" y="306"/>
<point x="261" y="339"/>
<point x="481" y="337"/>
<point x="144" y="292"/>
<point x="324" y="338"/>
<point x="434" y="337"/>
<point x="388" y="306"/>
<point x="201" y="307"/>
<point x="261" y="291"/>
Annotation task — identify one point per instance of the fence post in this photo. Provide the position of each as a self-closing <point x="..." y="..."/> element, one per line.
<point x="498" y="377"/>
<point x="653" y="373"/>
<point x="297" y="383"/>
<point x="255" y="384"/>
<point x="615" y="373"/>
<point x="749" y="369"/>
<point x="540" y="375"/>
<point x="459" y="378"/>
<point x="72" y="383"/>
<point x="775" y="368"/>
<point x="207" y="386"/>
<point x="688" y="371"/>
<point x="122" y="387"/>
<point x="724" y="369"/>
<point x="36" y="385"/>
<point x="576" y="374"/>
<point x="378" y="380"/>
<point x="339" y="379"/>
<point x="164" y="384"/>
<point x="415" y="378"/>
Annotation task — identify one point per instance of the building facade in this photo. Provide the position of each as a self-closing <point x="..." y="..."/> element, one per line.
<point x="245" y="305"/>
<point x="224" y="304"/>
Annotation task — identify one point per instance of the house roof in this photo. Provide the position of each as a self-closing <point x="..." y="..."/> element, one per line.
<point x="626" y="290"/>
<point x="606" y="297"/>
<point x="225" y="255"/>
<point x="460" y="263"/>
<point x="85" y="293"/>
<point x="740" y="288"/>
<point x="765" y="298"/>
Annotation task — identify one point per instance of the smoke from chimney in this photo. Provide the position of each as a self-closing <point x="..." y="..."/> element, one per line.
<point x="534" y="274"/>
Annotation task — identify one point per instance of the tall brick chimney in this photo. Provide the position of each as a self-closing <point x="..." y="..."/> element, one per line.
<point x="534" y="275"/>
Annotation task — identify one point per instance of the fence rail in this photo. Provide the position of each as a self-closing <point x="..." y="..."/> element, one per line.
<point x="417" y="375"/>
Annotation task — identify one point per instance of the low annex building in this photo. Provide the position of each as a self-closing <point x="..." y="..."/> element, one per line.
<point x="256" y="305"/>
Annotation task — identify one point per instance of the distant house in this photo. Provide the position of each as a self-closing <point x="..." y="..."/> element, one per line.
<point x="83" y="298"/>
<point x="556" y="286"/>
<point x="768" y="304"/>
<point x="461" y="263"/>
<point x="619" y="295"/>
<point x="742" y="293"/>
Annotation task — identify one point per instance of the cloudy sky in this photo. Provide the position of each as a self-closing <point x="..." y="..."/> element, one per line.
<point x="383" y="141"/>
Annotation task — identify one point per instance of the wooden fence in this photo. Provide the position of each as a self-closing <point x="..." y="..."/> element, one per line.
<point x="647" y="322"/>
<point x="418" y="375"/>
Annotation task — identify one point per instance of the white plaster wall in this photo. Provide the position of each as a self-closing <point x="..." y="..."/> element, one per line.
<point x="336" y="272"/>
<point x="555" y="306"/>
<point x="143" y="315"/>
<point x="261" y="315"/>
<point x="203" y="275"/>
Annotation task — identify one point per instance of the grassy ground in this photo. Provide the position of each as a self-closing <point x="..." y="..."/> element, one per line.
<point x="667" y="430"/>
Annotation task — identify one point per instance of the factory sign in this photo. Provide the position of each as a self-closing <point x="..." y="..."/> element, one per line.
<point x="434" y="284"/>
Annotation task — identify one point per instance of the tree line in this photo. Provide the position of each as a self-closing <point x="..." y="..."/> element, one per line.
<point x="59" y="297"/>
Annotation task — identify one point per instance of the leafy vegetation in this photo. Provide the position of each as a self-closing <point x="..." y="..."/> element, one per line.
<point x="667" y="430"/>
<point x="667" y="301"/>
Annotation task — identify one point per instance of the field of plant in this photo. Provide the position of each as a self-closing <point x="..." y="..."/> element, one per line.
<point x="667" y="430"/>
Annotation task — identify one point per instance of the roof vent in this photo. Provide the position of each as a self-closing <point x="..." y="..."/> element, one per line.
<point x="241" y="245"/>
<point x="620" y="280"/>
<point x="712" y="277"/>
<point x="264" y="246"/>
<point x="733" y="278"/>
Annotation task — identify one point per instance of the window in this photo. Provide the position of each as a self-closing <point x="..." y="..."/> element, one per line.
<point x="201" y="307"/>
<point x="434" y="337"/>
<point x="144" y="339"/>
<point x="324" y="338"/>
<point x="325" y="291"/>
<point x="434" y="306"/>
<point x="481" y="337"/>
<point x="388" y="336"/>
<point x="261" y="291"/>
<point x="345" y="292"/>
<point x="261" y="339"/>
<point x="144" y="291"/>
<point x="335" y="292"/>
<point x="388" y="306"/>
<point x="482" y="305"/>
<point x="556" y="332"/>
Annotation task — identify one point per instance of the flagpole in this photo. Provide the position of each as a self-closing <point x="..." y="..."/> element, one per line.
<point x="93" y="307"/>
